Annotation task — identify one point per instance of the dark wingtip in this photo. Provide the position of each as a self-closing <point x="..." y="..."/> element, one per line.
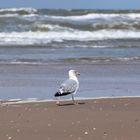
<point x="57" y="94"/>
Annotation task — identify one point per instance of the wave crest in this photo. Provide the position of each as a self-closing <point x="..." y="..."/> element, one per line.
<point x="31" y="38"/>
<point x="20" y="11"/>
<point x="103" y="59"/>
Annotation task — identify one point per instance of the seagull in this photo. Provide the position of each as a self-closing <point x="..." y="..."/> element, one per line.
<point x="70" y="86"/>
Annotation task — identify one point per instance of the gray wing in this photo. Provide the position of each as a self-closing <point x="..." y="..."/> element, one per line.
<point x="69" y="86"/>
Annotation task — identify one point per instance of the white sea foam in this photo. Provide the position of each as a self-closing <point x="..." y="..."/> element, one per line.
<point x="29" y="10"/>
<point x="16" y="12"/>
<point x="24" y="63"/>
<point x="98" y="16"/>
<point x="51" y="27"/>
<point x="32" y="14"/>
<point x="32" y="38"/>
<point x="20" y="101"/>
<point x="9" y="15"/>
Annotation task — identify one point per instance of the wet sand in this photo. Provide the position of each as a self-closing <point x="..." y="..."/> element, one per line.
<point x="96" y="119"/>
<point x="42" y="81"/>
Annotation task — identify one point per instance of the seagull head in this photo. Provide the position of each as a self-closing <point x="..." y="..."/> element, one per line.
<point x="73" y="73"/>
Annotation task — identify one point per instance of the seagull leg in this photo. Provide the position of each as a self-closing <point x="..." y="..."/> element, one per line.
<point x="73" y="99"/>
<point x="58" y="101"/>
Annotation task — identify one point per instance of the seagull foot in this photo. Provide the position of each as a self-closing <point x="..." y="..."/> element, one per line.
<point x="57" y="102"/>
<point x="75" y="103"/>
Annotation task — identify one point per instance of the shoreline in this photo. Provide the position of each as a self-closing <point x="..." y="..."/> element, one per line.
<point x="26" y="101"/>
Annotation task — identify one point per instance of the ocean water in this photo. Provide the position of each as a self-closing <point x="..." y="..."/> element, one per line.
<point x="36" y="35"/>
<point x="43" y="37"/>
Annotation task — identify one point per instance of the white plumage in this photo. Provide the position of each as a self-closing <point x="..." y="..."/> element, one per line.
<point x="70" y="86"/>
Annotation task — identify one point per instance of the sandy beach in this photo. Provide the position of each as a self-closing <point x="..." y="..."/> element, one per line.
<point x="98" y="119"/>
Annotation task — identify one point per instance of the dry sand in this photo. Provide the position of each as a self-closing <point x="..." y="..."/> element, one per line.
<point x="99" y="119"/>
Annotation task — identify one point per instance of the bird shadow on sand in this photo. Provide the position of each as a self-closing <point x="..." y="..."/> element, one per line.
<point x="71" y="104"/>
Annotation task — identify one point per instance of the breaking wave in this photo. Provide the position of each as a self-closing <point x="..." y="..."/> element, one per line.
<point x="20" y="11"/>
<point x="130" y="16"/>
<point x="33" y="38"/>
<point x="28" y="26"/>
<point x="103" y="59"/>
